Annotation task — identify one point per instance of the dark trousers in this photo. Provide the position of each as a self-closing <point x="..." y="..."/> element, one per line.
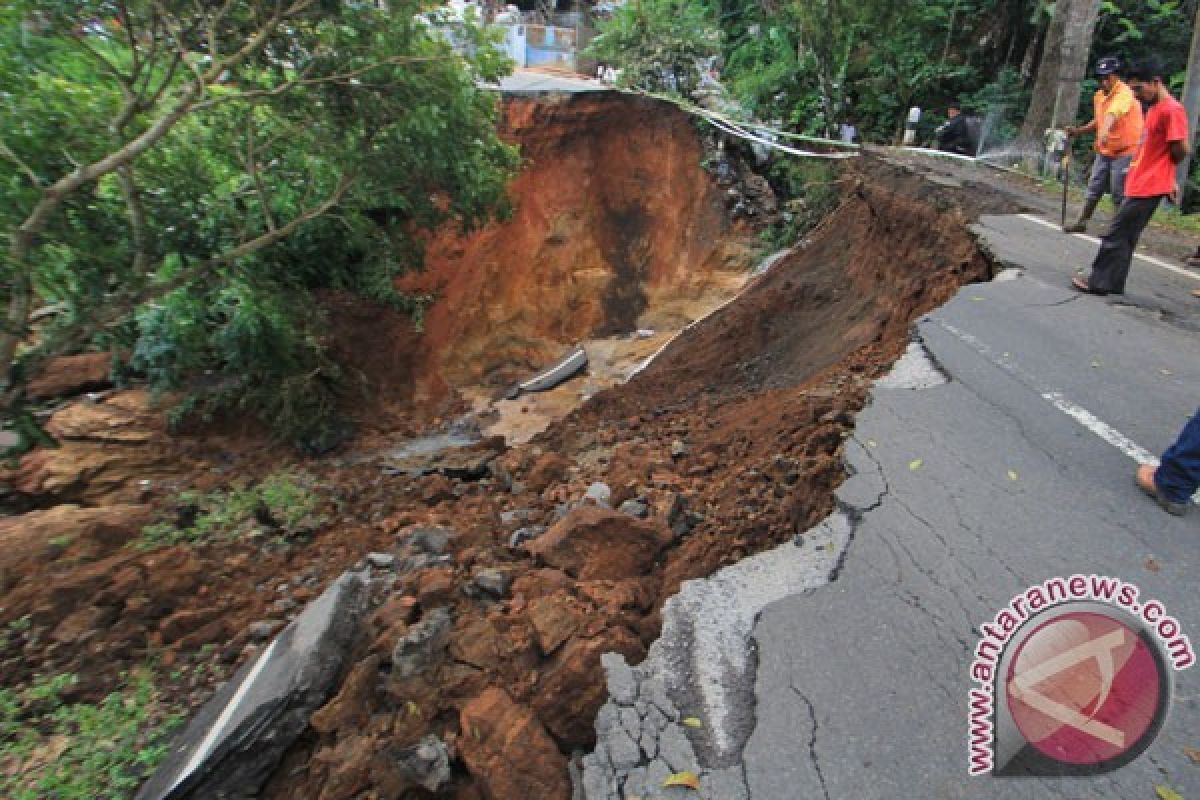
<point x="1111" y="267"/>
<point x="1178" y="476"/>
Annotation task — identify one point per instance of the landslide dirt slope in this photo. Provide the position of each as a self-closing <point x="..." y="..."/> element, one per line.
<point x="613" y="217"/>
<point x="731" y="440"/>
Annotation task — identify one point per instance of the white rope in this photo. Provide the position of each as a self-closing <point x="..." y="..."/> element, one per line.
<point x="743" y="134"/>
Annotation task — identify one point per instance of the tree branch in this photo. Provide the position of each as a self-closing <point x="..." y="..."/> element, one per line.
<point x="21" y="242"/>
<point x="126" y="23"/>
<point x="287" y="86"/>
<point x="118" y="308"/>
<point x="251" y="161"/>
<point x="81" y="41"/>
<point x="213" y="48"/>
<point x="25" y="169"/>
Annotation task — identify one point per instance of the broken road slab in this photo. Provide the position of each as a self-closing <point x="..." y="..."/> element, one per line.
<point x="231" y="746"/>
<point x="1016" y="470"/>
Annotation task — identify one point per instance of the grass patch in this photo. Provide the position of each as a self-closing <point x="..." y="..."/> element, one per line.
<point x="51" y="748"/>
<point x="1165" y="218"/>
<point x="284" y="506"/>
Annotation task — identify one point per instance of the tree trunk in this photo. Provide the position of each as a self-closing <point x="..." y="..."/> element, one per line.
<point x="1064" y="64"/>
<point x="1191" y="101"/>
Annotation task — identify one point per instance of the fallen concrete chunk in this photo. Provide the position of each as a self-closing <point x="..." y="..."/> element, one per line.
<point x="568" y="367"/>
<point x="234" y="743"/>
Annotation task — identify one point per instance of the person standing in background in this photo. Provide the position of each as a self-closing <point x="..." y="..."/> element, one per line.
<point x="1151" y="178"/>
<point x="1117" y="122"/>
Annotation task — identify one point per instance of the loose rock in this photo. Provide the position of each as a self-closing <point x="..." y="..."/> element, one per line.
<point x="427" y="763"/>
<point x="595" y="543"/>
<point x="508" y="751"/>
<point x="423" y="645"/>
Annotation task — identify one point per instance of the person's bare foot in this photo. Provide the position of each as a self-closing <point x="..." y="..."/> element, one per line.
<point x="1144" y="478"/>
<point x="1195" y="292"/>
<point x="1081" y="285"/>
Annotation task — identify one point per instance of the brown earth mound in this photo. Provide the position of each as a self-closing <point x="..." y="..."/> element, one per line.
<point x="729" y="443"/>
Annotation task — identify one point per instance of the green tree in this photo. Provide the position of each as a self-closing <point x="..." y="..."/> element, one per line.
<point x="658" y="44"/>
<point x="188" y="172"/>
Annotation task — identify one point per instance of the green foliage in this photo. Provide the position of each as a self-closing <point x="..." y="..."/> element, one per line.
<point x="809" y="192"/>
<point x="1001" y="104"/>
<point x="762" y="66"/>
<point x="50" y="747"/>
<point x="815" y="64"/>
<point x="658" y="45"/>
<point x="247" y="347"/>
<point x="316" y="162"/>
<point x="284" y="505"/>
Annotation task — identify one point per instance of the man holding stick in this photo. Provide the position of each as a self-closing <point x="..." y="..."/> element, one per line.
<point x="1151" y="178"/>
<point x="1117" y="122"/>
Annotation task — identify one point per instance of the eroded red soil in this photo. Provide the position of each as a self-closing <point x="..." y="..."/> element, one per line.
<point x="732" y="439"/>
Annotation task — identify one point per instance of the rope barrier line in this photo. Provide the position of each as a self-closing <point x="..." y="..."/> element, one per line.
<point x="735" y="128"/>
<point x="734" y="131"/>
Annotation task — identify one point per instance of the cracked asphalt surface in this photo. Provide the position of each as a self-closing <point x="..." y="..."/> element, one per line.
<point x="967" y="493"/>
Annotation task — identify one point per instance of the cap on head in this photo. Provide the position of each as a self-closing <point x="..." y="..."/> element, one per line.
<point x="957" y="106"/>
<point x="1108" y="66"/>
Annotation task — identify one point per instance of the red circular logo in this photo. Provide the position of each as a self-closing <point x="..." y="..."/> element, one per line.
<point x="1084" y="688"/>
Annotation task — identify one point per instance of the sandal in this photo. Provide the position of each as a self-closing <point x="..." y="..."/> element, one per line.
<point x="1081" y="285"/>
<point x="1144" y="478"/>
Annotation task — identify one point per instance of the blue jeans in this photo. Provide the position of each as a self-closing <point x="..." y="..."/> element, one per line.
<point x="1179" y="474"/>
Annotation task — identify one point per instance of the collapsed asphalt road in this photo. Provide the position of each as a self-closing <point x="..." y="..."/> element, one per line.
<point x="862" y="688"/>
<point x="1001" y="457"/>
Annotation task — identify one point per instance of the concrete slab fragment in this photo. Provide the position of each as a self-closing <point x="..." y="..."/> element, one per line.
<point x="231" y="746"/>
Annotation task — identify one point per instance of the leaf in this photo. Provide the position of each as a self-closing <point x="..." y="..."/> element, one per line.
<point x="412" y="708"/>
<point x="1153" y="565"/>
<point x="1167" y="793"/>
<point x="692" y="722"/>
<point x="1193" y="754"/>
<point x="690" y="780"/>
<point x="915" y="464"/>
<point x="1012" y="475"/>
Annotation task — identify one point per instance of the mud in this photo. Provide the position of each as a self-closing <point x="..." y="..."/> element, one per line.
<point x="727" y="443"/>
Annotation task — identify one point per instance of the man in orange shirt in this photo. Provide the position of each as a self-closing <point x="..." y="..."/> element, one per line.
<point x="1118" y="118"/>
<point x="1151" y="178"/>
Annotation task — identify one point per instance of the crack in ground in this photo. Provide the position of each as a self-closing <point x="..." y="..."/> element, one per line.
<point x="1055" y="304"/>
<point x="887" y="488"/>
<point x="812" y="740"/>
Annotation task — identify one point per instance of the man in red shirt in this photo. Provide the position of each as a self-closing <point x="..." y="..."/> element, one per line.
<point x="1151" y="178"/>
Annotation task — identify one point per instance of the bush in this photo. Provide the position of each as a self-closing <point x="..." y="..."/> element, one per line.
<point x="808" y="192"/>
<point x="284" y="506"/>
<point x="217" y="196"/>
<point x="50" y="748"/>
<point x="658" y="45"/>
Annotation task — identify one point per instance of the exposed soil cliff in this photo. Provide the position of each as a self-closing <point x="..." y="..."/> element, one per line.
<point x="615" y="222"/>
<point x="728" y="443"/>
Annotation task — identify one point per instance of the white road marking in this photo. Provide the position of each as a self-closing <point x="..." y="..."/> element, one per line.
<point x="1101" y="428"/>
<point x="1158" y="262"/>
<point x="1081" y="415"/>
<point x="202" y="752"/>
